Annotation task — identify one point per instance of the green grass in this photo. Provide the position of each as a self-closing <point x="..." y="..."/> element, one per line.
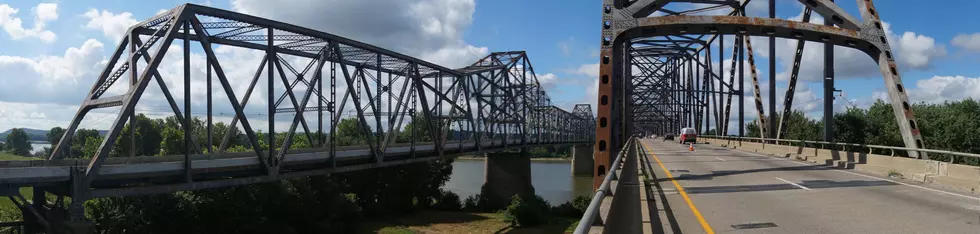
<point x="395" y="230"/>
<point x="4" y="156"/>
<point x="571" y="227"/>
<point x="10" y="212"/>
<point x="462" y="222"/>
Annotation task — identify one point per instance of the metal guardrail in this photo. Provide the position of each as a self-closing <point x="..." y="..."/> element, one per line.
<point x="823" y="144"/>
<point x="592" y="212"/>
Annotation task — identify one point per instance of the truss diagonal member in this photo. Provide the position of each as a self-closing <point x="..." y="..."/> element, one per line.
<point x="59" y="151"/>
<point x="129" y="102"/>
<point x="357" y="101"/>
<point x="292" y="98"/>
<point x="298" y="117"/>
<point x="715" y="76"/>
<point x="763" y="125"/>
<point x="248" y="93"/>
<point x="168" y="96"/>
<point x="830" y="10"/>
<point x="397" y="124"/>
<point x="907" y="123"/>
<point x="791" y="89"/>
<point x="420" y="92"/>
<point x="230" y="93"/>
<point x="731" y="80"/>
<point x="107" y="82"/>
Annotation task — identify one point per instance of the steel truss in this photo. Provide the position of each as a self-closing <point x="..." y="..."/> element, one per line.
<point x="657" y="74"/>
<point x="495" y="103"/>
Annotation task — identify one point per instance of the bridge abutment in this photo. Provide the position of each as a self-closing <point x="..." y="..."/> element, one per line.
<point x="507" y="174"/>
<point x="582" y="161"/>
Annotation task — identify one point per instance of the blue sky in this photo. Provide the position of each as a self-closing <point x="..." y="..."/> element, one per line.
<point x="561" y="37"/>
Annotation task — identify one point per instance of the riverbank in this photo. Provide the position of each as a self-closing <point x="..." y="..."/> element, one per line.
<point x="532" y="159"/>
<point x="460" y="222"/>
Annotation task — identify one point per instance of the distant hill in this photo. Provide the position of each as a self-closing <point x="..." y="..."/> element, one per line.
<point x="35" y="134"/>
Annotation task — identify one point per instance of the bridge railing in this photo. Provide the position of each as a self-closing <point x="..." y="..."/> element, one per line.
<point x="592" y="212"/>
<point x="824" y="144"/>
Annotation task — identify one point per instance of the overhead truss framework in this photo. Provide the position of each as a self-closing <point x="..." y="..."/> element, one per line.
<point x="496" y="99"/>
<point x="663" y="66"/>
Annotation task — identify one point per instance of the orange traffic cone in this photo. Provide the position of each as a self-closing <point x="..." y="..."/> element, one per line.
<point x="691" y="147"/>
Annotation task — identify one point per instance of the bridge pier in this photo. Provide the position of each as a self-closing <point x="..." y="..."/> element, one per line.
<point x="507" y="174"/>
<point x="582" y="161"/>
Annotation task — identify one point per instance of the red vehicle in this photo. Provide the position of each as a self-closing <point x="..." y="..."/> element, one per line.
<point x="688" y="135"/>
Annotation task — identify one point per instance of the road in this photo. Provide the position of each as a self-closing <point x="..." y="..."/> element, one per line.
<point x="723" y="191"/>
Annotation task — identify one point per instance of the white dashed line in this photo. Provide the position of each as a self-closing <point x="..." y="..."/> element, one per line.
<point x="722" y="159"/>
<point x="794" y="184"/>
<point x="893" y="181"/>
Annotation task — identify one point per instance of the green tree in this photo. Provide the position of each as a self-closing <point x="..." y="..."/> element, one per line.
<point x="851" y="126"/>
<point x="19" y="143"/>
<point x="173" y="141"/>
<point x="80" y="139"/>
<point x="148" y="137"/>
<point x="54" y="135"/>
<point x="350" y="131"/>
<point x="220" y="129"/>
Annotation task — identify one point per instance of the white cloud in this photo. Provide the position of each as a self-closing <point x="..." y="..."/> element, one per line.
<point x="43" y="13"/>
<point x="548" y="81"/>
<point x="967" y="41"/>
<point x="945" y="88"/>
<point x="566" y="46"/>
<point x="46" y="11"/>
<point x="917" y="51"/>
<point x="51" y="79"/>
<point x="912" y="51"/>
<point x="113" y="26"/>
<point x="455" y="56"/>
<point x="430" y="29"/>
<point x="591" y="70"/>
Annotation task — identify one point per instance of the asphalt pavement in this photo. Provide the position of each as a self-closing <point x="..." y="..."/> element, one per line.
<point x="719" y="190"/>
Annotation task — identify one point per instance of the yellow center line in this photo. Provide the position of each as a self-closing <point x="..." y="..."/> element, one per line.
<point x="704" y="224"/>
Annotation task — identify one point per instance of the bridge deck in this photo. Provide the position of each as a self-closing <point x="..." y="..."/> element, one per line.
<point x="736" y="191"/>
<point x="127" y="170"/>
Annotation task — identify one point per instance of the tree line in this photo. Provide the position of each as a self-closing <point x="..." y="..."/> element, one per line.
<point x="320" y="204"/>
<point x="951" y="126"/>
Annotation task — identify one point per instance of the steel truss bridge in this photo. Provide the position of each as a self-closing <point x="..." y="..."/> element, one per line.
<point x="656" y="73"/>
<point x="496" y="103"/>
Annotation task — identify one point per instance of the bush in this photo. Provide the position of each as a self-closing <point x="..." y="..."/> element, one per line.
<point x="527" y="211"/>
<point x="566" y="210"/>
<point x="581" y="203"/>
<point x="574" y="208"/>
<point x="447" y="200"/>
<point x="472" y="203"/>
<point x="486" y="201"/>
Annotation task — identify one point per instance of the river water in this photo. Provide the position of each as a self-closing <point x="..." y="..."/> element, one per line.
<point x="552" y="180"/>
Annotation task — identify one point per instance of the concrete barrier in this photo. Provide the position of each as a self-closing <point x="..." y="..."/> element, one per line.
<point x="781" y="150"/>
<point x="914" y="169"/>
<point x="952" y="176"/>
<point x="958" y="176"/>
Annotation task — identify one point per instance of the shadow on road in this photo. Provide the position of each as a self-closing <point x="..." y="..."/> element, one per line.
<point x="653" y="183"/>
<point x="713" y="174"/>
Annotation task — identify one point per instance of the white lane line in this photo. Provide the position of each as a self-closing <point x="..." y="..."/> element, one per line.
<point x="794" y="184"/>
<point x="722" y="159"/>
<point x="893" y="181"/>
